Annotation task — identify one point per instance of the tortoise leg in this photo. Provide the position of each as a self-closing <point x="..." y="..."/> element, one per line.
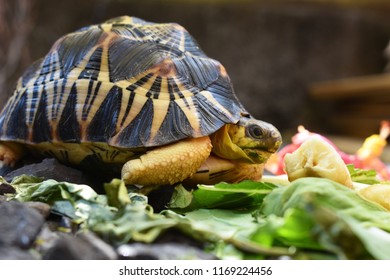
<point x="10" y="153"/>
<point x="167" y="164"/>
<point x="215" y="170"/>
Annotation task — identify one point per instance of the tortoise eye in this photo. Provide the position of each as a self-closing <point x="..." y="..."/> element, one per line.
<point x="255" y="131"/>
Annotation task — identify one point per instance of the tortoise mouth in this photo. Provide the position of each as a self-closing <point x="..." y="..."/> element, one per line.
<point x="258" y="155"/>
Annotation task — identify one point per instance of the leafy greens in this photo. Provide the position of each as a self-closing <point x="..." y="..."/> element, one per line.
<point x="311" y="218"/>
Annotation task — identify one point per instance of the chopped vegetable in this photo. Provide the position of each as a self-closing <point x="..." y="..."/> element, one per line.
<point x="317" y="158"/>
<point x="379" y="193"/>
<point x="367" y="157"/>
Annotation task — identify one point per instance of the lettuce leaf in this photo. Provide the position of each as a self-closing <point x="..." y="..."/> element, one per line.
<point x="243" y="195"/>
<point x="312" y="218"/>
<point x="230" y="226"/>
<point x="363" y="176"/>
<point x="136" y="221"/>
<point x="341" y="219"/>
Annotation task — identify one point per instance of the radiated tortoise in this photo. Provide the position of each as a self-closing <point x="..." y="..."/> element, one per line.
<point x="140" y="95"/>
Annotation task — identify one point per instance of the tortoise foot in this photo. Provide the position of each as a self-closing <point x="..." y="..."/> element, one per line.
<point x="168" y="164"/>
<point x="10" y="153"/>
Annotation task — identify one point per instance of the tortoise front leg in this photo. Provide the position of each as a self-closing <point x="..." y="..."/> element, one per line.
<point x="11" y="153"/>
<point x="167" y="164"/>
<point x="215" y="170"/>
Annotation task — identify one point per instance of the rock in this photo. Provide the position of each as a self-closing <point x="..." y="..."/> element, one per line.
<point x="98" y="244"/>
<point x="171" y="245"/>
<point x="41" y="207"/>
<point x="85" y="246"/>
<point x="47" y="239"/>
<point x="5" y="169"/>
<point x="6" y="188"/>
<point x="14" y="253"/>
<point x="51" y="168"/>
<point x="177" y="236"/>
<point x="167" y="251"/>
<point x="19" y="224"/>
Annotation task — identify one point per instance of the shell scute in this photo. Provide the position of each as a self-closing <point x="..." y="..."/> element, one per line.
<point x="129" y="58"/>
<point x="141" y="124"/>
<point x="103" y="124"/>
<point x="68" y="127"/>
<point x="13" y="122"/>
<point x="92" y="69"/>
<point x="41" y="129"/>
<point x="30" y="72"/>
<point x="74" y="47"/>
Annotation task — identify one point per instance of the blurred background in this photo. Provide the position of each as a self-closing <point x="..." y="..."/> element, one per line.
<point x="316" y="63"/>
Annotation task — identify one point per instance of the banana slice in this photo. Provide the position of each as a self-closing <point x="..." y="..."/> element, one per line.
<point x="377" y="193"/>
<point x="317" y="158"/>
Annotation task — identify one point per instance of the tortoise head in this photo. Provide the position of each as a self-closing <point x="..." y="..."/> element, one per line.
<point x="249" y="140"/>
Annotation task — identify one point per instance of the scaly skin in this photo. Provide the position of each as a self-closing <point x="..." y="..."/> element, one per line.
<point x="215" y="170"/>
<point x="11" y="153"/>
<point x="168" y="164"/>
<point x="249" y="141"/>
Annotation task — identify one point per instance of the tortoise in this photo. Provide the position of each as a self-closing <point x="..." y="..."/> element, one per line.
<point x="139" y="95"/>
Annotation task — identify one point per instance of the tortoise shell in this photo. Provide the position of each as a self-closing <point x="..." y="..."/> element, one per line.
<point x="126" y="82"/>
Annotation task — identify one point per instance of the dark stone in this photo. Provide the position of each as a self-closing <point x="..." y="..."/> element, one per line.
<point x="176" y="236"/>
<point x="42" y="208"/>
<point x="51" y="168"/>
<point x="160" y="197"/>
<point x="14" y="253"/>
<point x="5" y="169"/>
<point x="171" y="245"/>
<point x="85" y="246"/>
<point x="19" y="224"/>
<point x="96" y="244"/>
<point x="48" y="238"/>
<point x="6" y="188"/>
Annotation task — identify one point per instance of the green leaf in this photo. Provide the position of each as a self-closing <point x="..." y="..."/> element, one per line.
<point x="231" y="226"/>
<point x="116" y="192"/>
<point x="67" y="199"/>
<point x="50" y="191"/>
<point x="134" y="222"/>
<point x="226" y="251"/>
<point x="376" y="241"/>
<point x="305" y="192"/>
<point x="64" y="208"/>
<point x="340" y="217"/>
<point x="26" y="179"/>
<point x="243" y="195"/>
<point x="181" y="198"/>
<point x="296" y="229"/>
<point x="363" y="176"/>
